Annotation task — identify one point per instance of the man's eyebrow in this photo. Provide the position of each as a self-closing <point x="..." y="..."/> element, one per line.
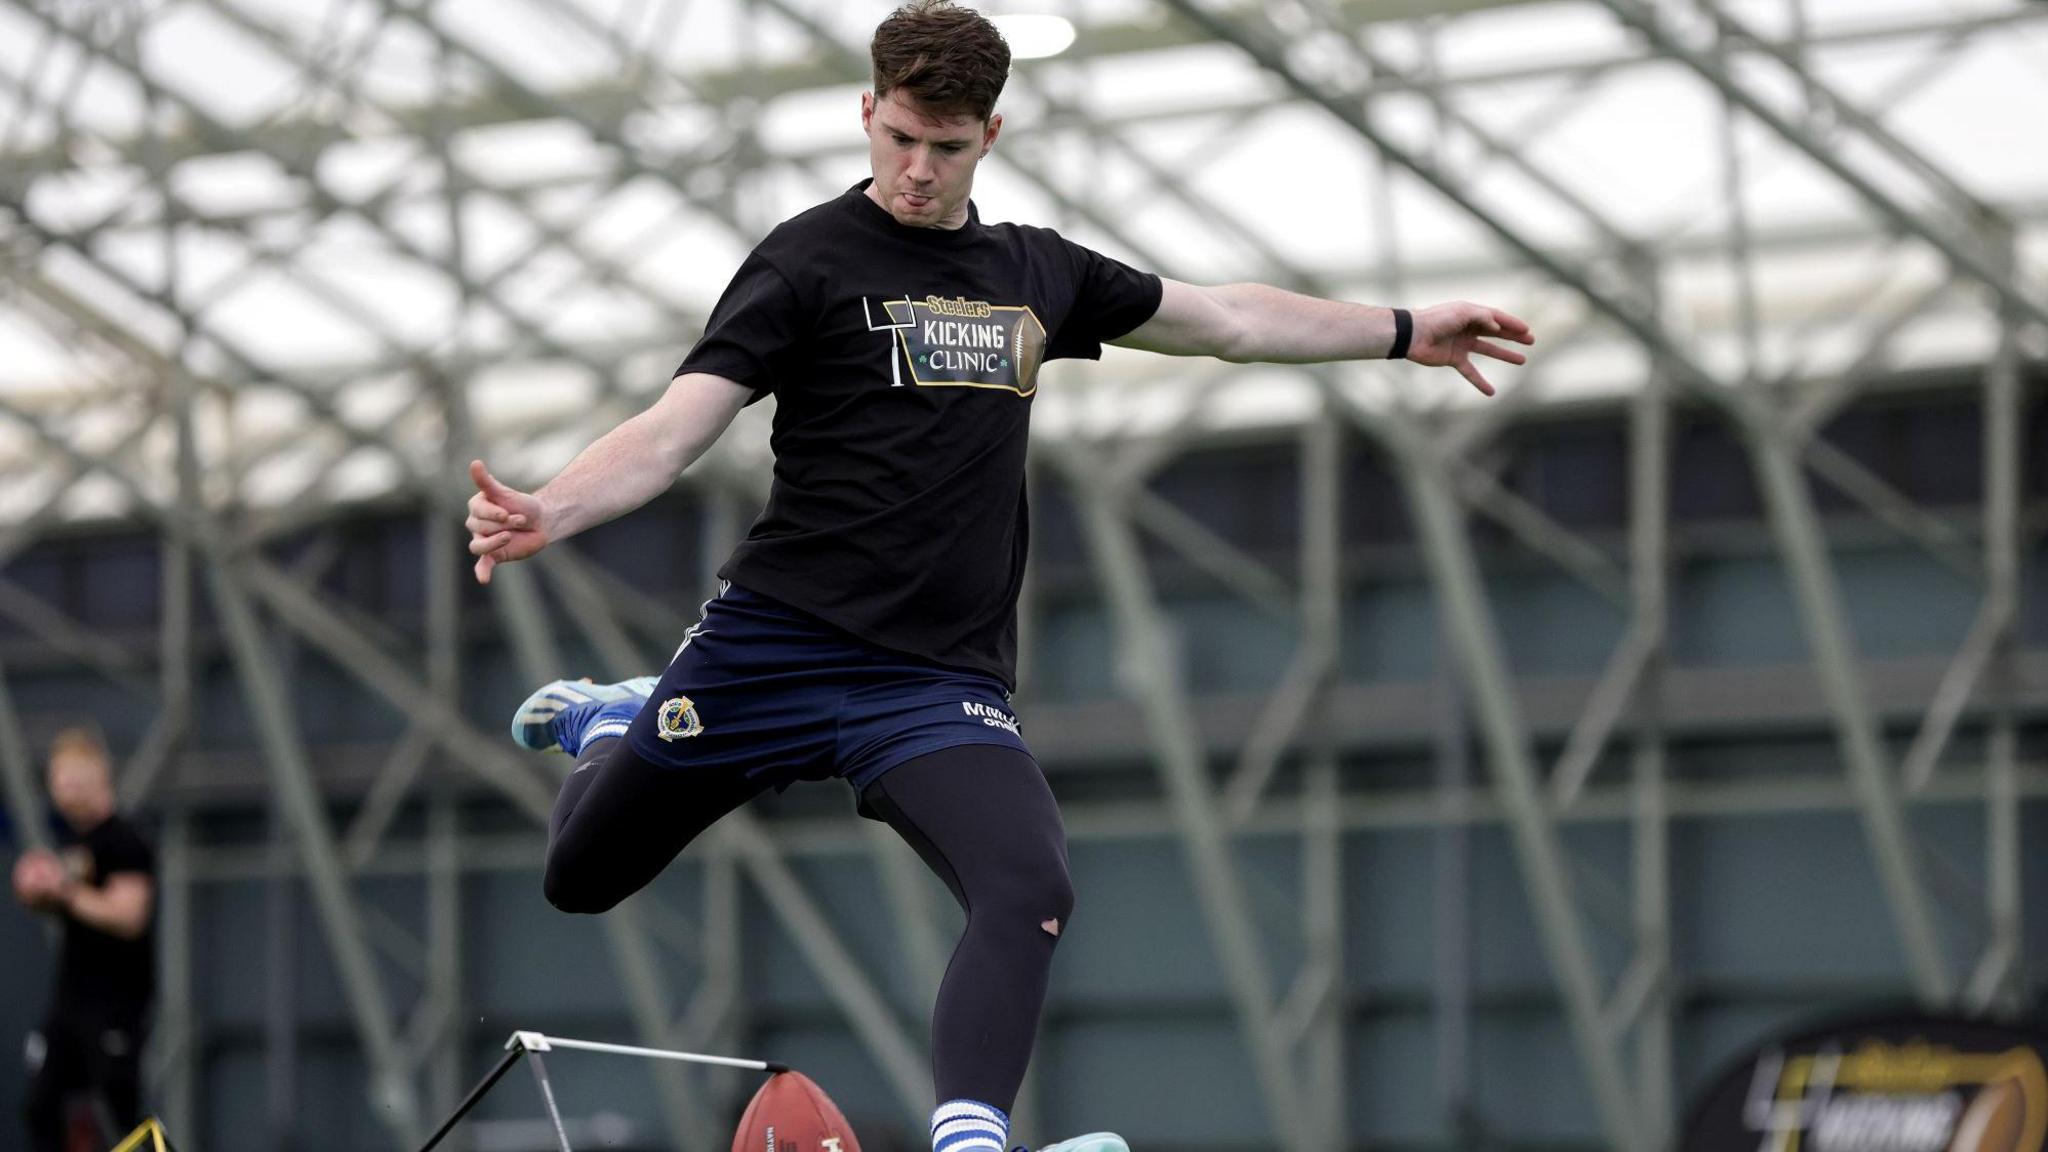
<point x="901" y="131"/>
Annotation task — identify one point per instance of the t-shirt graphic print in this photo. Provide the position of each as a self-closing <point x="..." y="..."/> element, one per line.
<point x="938" y="343"/>
<point x="903" y="363"/>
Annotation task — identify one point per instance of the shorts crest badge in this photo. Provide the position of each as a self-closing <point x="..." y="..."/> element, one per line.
<point x="677" y="719"/>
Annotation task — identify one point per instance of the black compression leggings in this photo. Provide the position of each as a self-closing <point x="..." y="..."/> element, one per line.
<point x="980" y="815"/>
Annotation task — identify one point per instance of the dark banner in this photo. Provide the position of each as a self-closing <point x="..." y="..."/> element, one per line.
<point x="1899" y="1083"/>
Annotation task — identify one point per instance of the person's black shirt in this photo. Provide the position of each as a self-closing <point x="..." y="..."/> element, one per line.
<point x="100" y="974"/>
<point x="903" y="361"/>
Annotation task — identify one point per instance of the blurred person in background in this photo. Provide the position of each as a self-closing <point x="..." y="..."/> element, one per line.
<point x="100" y="887"/>
<point x="866" y="628"/>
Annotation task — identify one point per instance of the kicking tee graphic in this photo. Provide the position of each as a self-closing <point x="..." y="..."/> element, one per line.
<point x="940" y="342"/>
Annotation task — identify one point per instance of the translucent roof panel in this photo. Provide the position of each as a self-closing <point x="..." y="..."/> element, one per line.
<point x="349" y="213"/>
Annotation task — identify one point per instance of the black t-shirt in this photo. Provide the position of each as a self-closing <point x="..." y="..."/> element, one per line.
<point x="903" y="362"/>
<point x="98" y="973"/>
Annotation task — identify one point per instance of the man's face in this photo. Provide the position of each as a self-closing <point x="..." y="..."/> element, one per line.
<point x="924" y="166"/>
<point x="81" y="788"/>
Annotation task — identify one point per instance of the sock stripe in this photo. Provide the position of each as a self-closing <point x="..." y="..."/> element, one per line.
<point x="969" y="1126"/>
<point x="962" y="1109"/>
<point x="607" y="729"/>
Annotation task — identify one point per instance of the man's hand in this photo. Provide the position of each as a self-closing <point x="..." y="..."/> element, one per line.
<point x="39" y="880"/>
<point x="504" y="524"/>
<point x="1448" y="334"/>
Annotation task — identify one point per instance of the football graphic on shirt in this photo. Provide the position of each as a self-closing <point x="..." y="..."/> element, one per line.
<point x="80" y="865"/>
<point x="790" y="1113"/>
<point x="957" y="342"/>
<point x="1997" y="1119"/>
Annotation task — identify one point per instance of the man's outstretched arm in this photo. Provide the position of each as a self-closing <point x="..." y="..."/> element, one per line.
<point x="624" y="469"/>
<point x="1258" y="324"/>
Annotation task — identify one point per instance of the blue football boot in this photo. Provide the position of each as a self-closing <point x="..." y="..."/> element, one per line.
<point x="567" y="714"/>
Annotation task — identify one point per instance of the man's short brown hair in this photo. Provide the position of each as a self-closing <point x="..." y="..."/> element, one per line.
<point x="80" y="740"/>
<point x="948" y="59"/>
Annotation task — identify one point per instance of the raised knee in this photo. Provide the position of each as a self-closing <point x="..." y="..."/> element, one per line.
<point x="568" y="893"/>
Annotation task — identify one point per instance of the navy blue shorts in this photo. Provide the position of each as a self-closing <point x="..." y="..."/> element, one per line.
<point x="763" y="692"/>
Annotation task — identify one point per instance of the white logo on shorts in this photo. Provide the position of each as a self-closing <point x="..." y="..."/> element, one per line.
<point x="991" y="716"/>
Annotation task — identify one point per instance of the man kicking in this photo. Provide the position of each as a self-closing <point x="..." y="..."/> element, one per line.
<point x="866" y="628"/>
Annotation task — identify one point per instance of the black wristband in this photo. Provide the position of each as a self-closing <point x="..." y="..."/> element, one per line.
<point x="1404" y="330"/>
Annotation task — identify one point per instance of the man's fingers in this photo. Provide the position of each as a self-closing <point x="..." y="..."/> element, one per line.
<point x="480" y="545"/>
<point x="484" y="564"/>
<point x="1511" y="327"/>
<point x="1489" y="348"/>
<point x="493" y="499"/>
<point x="1465" y="368"/>
<point x="488" y="484"/>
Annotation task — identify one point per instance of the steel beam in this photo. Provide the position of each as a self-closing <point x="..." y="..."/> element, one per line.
<point x="1451" y="898"/>
<point x="1656" y="1022"/>
<point x="1829" y="106"/>
<point x="718" y="1010"/>
<point x="1803" y="543"/>
<point x="396" y="1103"/>
<point x="446" y="1051"/>
<point x="178" y="1040"/>
<point x="325" y="202"/>
<point x="1998" y="983"/>
<point x="906" y="885"/>
<point x="1148" y="670"/>
<point x="1324" y="1056"/>
<point x="447" y="1047"/>
<point x="18" y="773"/>
<point x="1961" y="255"/>
<point x="1468" y="622"/>
<point x="1280" y="821"/>
<point x="280" y="988"/>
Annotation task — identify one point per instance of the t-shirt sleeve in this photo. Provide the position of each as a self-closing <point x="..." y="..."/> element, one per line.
<point x="1110" y="299"/>
<point x="126" y="851"/>
<point x="756" y="323"/>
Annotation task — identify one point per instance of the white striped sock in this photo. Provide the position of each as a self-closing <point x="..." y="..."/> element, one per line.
<point x="602" y="730"/>
<point x="969" y="1126"/>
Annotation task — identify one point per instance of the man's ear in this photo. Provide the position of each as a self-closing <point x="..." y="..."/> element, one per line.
<point x="994" y="129"/>
<point x="867" y="112"/>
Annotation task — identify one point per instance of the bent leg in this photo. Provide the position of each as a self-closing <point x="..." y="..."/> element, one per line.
<point x="619" y="821"/>
<point x="983" y="818"/>
<point x="117" y="1073"/>
<point x="57" y="1071"/>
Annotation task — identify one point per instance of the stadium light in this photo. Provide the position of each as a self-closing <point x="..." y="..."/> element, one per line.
<point x="1035" y="37"/>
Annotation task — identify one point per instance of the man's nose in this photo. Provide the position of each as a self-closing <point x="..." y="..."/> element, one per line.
<point x="920" y="169"/>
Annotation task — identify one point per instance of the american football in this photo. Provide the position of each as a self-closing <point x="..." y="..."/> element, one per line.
<point x="1996" y="1120"/>
<point x="792" y="1114"/>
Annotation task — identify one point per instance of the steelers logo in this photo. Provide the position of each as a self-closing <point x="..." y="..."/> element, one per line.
<point x="677" y="719"/>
